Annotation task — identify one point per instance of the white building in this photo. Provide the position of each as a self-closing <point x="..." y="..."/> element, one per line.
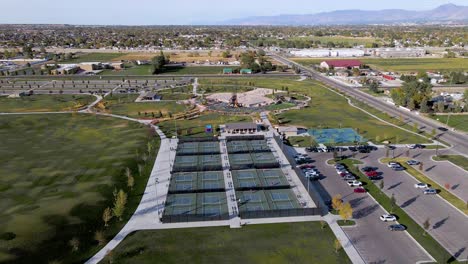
<point x="320" y="53"/>
<point x="396" y="52"/>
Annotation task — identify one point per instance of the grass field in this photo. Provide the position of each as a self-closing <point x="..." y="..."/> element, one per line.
<point x="196" y="127"/>
<point x="146" y="70"/>
<point x="302" y="141"/>
<point x="328" y="110"/>
<point x="95" y="57"/>
<point x="404" y="64"/>
<point x="45" y="103"/>
<point x="415" y="230"/>
<point x="270" y="243"/>
<point x="459" y="122"/>
<point x="343" y="39"/>
<point x="58" y="173"/>
<point x="455" y="159"/>
<point x="184" y="56"/>
<point x="124" y="104"/>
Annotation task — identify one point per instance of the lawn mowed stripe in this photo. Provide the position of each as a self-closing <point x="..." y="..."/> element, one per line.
<point x="303" y="242"/>
<point x="45" y="103"/>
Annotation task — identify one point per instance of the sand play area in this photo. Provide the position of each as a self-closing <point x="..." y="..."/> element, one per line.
<point x="252" y="98"/>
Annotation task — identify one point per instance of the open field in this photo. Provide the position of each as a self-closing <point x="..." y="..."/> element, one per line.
<point x="342" y="39"/>
<point x="270" y="243"/>
<point x="455" y="159"/>
<point x="95" y="57"/>
<point x="302" y="141"/>
<point x="459" y="122"/>
<point x="181" y="56"/>
<point x="329" y="110"/>
<point x="58" y="173"/>
<point x="404" y="64"/>
<point x="124" y="104"/>
<point x="416" y="231"/>
<point x="196" y="127"/>
<point x="45" y="103"/>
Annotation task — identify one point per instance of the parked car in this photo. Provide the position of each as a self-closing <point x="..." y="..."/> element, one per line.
<point x="371" y="173"/>
<point x="359" y="190"/>
<point x="421" y="146"/>
<point x="388" y="218"/>
<point x="340" y="171"/>
<point x="411" y="146"/>
<point x="339" y="165"/>
<point x="421" y="185"/>
<point x="412" y="162"/>
<point x="430" y="191"/>
<point x="391" y="164"/>
<point x="349" y="177"/>
<point x="353" y="149"/>
<point x="307" y="166"/>
<point x="367" y="169"/>
<point x="354" y="183"/>
<point x="397" y="227"/>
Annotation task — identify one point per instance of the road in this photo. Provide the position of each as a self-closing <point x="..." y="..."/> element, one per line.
<point x="458" y="140"/>
<point x="370" y="235"/>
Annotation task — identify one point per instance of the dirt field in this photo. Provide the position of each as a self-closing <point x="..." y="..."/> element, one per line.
<point x="252" y="98"/>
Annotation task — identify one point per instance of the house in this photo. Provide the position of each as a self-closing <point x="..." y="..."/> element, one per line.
<point x="288" y="131"/>
<point x="243" y="127"/>
<point x="65" y="69"/>
<point x="245" y="71"/>
<point x="90" y="66"/>
<point x="227" y="71"/>
<point x="150" y="96"/>
<point x="341" y="64"/>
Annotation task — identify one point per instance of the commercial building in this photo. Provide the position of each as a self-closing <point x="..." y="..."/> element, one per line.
<point x="288" y="131"/>
<point x="396" y="52"/>
<point x="340" y="64"/>
<point x="321" y="53"/>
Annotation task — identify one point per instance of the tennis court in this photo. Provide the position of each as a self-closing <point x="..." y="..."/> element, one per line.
<point x="247" y="146"/>
<point x="196" y="204"/>
<point x="259" y="179"/>
<point x="335" y="135"/>
<point x="197" y="163"/>
<point x="200" y="148"/>
<point x="205" y="181"/>
<point x="266" y="200"/>
<point x="258" y="160"/>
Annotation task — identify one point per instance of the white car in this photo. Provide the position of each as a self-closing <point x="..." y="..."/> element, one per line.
<point x="392" y="164"/>
<point x="341" y="171"/>
<point x="349" y="177"/>
<point x="411" y="146"/>
<point x="388" y="218"/>
<point x="421" y="185"/>
<point x="354" y="183"/>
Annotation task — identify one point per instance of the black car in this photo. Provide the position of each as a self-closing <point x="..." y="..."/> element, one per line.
<point x="367" y="169"/>
<point x="442" y="129"/>
<point x="420" y="146"/>
<point x="397" y="227"/>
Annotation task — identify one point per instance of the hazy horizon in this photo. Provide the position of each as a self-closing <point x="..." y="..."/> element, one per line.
<point x="180" y="12"/>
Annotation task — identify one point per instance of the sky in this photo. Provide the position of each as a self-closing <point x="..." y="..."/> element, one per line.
<point x="181" y="12"/>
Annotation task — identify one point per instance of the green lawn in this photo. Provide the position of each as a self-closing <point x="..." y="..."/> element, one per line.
<point x="57" y="174"/>
<point x="274" y="107"/>
<point x="455" y="159"/>
<point x="45" y="103"/>
<point x="124" y="104"/>
<point x="302" y="141"/>
<point x="404" y="64"/>
<point x="459" y="122"/>
<point x="94" y="57"/>
<point x="270" y="243"/>
<point x="146" y="70"/>
<point x="209" y="88"/>
<point x="415" y="230"/>
<point x="327" y="110"/>
<point x="196" y="127"/>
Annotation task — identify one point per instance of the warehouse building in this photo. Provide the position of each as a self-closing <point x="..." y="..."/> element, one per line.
<point x="321" y="53"/>
<point x="397" y="52"/>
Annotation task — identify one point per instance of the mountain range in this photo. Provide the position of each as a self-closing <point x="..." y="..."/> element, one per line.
<point x="448" y="13"/>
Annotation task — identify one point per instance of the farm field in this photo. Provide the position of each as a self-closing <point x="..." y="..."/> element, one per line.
<point x="45" y="103"/>
<point x="196" y="127"/>
<point x="124" y="104"/>
<point x="270" y="243"/>
<point x="95" y="57"/>
<point x="58" y="173"/>
<point x="403" y="65"/>
<point x="327" y="110"/>
<point x="459" y="122"/>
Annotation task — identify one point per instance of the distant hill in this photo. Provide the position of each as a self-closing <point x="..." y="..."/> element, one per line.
<point x="444" y="14"/>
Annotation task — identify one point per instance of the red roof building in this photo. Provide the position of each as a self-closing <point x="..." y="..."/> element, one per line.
<point x="341" y="64"/>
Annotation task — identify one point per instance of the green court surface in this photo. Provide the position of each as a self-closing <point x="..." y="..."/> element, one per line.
<point x="196" y="181"/>
<point x="263" y="178"/>
<point x="265" y="200"/>
<point x="197" y="163"/>
<point x="193" y="148"/>
<point x="208" y="204"/>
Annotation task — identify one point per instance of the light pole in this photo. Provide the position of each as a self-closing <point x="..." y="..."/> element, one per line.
<point x="156" y="181"/>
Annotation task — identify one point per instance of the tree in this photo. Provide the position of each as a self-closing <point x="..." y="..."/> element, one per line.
<point x="426" y="226"/>
<point x="119" y="204"/>
<point x="130" y="182"/>
<point x="424" y="108"/>
<point x="392" y="203"/>
<point x="440" y="106"/>
<point x="346" y="211"/>
<point x="447" y="186"/>
<point x="100" y="237"/>
<point x="381" y="184"/>
<point x="140" y="169"/>
<point x="337" y="245"/>
<point x="323" y="224"/>
<point x="107" y="216"/>
<point x="337" y="202"/>
<point x="74" y="244"/>
<point x="374" y="87"/>
<point x="421" y="166"/>
<point x="416" y="127"/>
<point x="433" y="133"/>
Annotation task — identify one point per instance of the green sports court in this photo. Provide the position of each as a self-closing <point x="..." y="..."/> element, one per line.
<point x="202" y="181"/>
<point x="259" y="179"/>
